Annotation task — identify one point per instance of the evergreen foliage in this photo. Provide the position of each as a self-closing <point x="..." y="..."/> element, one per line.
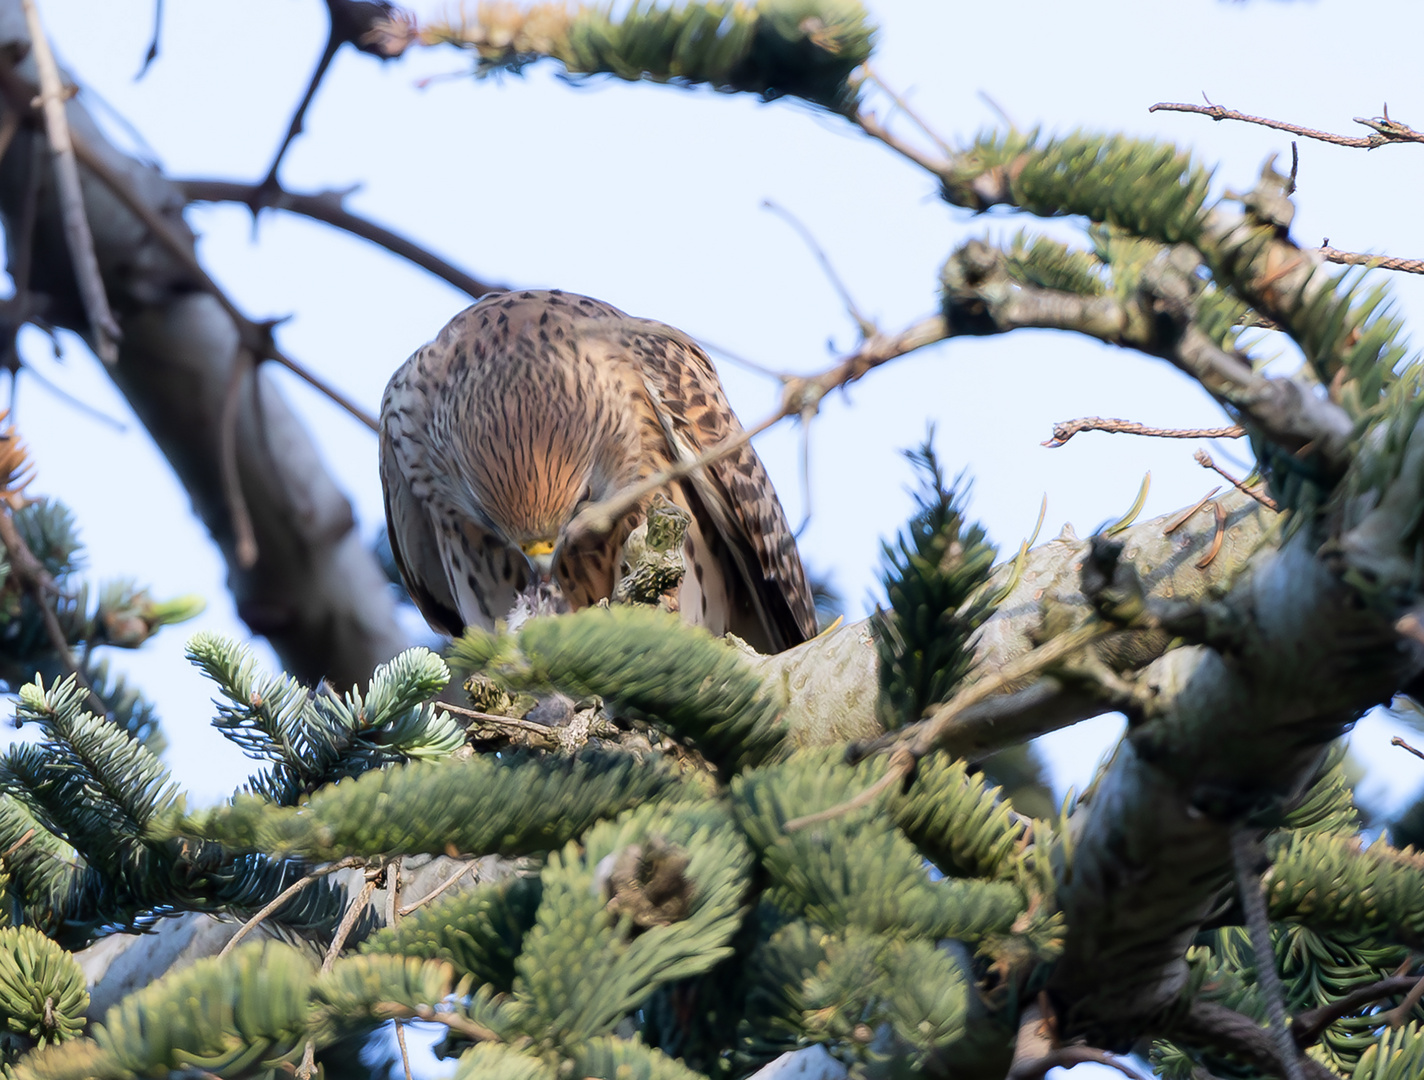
<point x="697" y="907"/>
<point x="934" y="577"/>
<point x="775" y="48"/>
<point x="124" y="616"/>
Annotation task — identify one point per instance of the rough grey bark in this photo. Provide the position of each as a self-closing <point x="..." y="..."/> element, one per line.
<point x="314" y="592"/>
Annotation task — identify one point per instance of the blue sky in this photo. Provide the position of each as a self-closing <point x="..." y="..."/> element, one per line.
<point x="650" y="197"/>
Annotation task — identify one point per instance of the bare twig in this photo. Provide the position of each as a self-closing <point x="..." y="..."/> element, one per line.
<point x="456" y="1022"/>
<point x="348" y="922"/>
<point x="343" y="930"/>
<point x="1397" y="741"/>
<point x="922" y="737"/>
<point x="1065" y="430"/>
<point x="256" y="336"/>
<point x="871" y="125"/>
<point x="827" y="267"/>
<point x="352" y="23"/>
<point x="1386" y="130"/>
<point x="393" y="915"/>
<point x="439" y="889"/>
<point x="800" y="398"/>
<point x="282" y="897"/>
<point x="71" y="195"/>
<point x="152" y="54"/>
<point x="903" y="105"/>
<point x="499" y="721"/>
<point x="328" y="207"/>
<point x="1374" y="262"/>
<point x="1308" y="1026"/>
<point x="1203" y="459"/>
<point x="902" y="764"/>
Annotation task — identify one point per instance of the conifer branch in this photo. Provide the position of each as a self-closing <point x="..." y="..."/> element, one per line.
<point x="980" y="298"/>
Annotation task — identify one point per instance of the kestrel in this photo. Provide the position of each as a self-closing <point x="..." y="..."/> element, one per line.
<point x="530" y="405"/>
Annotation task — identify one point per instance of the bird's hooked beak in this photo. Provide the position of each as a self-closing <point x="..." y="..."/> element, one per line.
<point x="540" y="554"/>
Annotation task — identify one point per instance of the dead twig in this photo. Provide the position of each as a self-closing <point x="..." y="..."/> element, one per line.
<point x="1397" y="741"/>
<point x="1374" y="262"/>
<point x="1385" y="130"/>
<point x="352" y="22"/>
<point x="439" y="889"/>
<point x="393" y="915"/>
<point x="499" y="721"/>
<point x="71" y="195"/>
<point x="327" y="207"/>
<point x="869" y="123"/>
<point x="903" y="105"/>
<point x="152" y="54"/>
<point x="1065" y="430"/>
<point x="902" y="764"/>
<point x="1202" y="458"/>
<point x="922" y="737"/>
<point x="456" y="1022"/>
<point x="307" y="1068"/>
<point x="827" y="267"/>
<point x="256" y="336"/>
<point x="282" y="897"/>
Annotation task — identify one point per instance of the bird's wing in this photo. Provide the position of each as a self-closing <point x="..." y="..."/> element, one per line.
<point x="413" y="541"/>
<point x="736" y="490"/>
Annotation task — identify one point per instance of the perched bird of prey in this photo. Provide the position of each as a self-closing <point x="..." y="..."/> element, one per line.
<point x="529" y="406"/>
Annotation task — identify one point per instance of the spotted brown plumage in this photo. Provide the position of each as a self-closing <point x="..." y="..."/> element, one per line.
<point x="528" y="406"/>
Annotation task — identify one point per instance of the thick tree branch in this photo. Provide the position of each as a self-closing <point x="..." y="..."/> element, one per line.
<point x="327" y="207"/>
<point x="315" y="591"/>
<point x="1209" y="1024"/>
<point x="981" y="298"/>
<point x="102" y="327"/>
